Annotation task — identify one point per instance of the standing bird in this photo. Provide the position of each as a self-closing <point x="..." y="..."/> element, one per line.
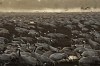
<point x="25" y="58"/>
<point x="42" y="59"/>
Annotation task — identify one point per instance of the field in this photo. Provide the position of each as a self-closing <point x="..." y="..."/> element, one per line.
<point x="50" y="39"/>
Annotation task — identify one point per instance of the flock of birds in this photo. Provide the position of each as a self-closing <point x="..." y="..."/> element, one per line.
<point x="50" y="39"/>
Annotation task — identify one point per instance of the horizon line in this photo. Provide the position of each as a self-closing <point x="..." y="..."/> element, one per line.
<point x="52" y="10"/>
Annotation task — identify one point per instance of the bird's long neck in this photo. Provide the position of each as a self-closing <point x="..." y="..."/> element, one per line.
<point x="35" y="48"/>
<point x="19" y="52"/>
<point x="36" y="39"/>
<point x="34" y="52"/>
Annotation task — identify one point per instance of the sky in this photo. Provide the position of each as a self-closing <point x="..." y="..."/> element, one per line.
<point x="50" y="4"/>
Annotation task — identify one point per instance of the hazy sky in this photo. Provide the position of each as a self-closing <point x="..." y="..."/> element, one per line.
<point x="40" y="4"/>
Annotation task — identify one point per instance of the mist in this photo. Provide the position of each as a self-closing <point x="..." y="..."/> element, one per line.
<point x="51" y="4"/>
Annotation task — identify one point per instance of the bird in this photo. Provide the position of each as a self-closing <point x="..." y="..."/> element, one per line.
<point x="93" y="44"/>
<point x="42" y="58"/>
<point x="26" y="58"/>
<point x="6" y="58"/>
<point x="57" y="57"/>
<point x="89" y="53"/>
<point x="87" y="61"/>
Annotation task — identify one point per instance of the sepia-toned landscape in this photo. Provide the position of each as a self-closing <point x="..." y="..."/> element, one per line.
<point x="49" y="33"/>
